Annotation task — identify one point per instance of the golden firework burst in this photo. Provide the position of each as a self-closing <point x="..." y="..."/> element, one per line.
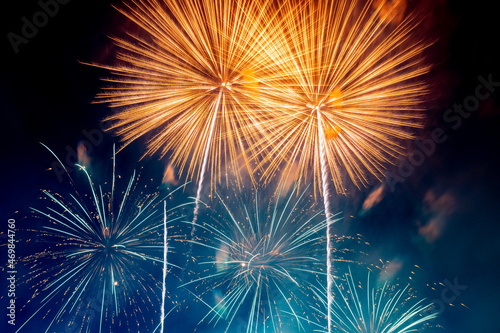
<point x="188" y="80"/>
<point x="344" y="78"/>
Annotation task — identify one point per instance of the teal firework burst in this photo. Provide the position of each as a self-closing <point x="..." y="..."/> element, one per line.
<point x="98" y="257"/>
<point x="257" y="260"/>
<point x="377" y="307"/>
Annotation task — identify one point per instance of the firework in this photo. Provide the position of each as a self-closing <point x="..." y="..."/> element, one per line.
<point x="343" y="93"/>
<point x="378" y="309"/>
<point x="345" y="84"/>
<point x="188" y="79"/>
<point x="348" y="86"/>
<point x="98" y="262"/>
<point x="259" y="262"/>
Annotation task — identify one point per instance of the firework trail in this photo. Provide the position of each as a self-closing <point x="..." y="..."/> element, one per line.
<point x="383" y="308"/>
<point x="203" y="168"/>
<point x="263" y="260"/>
<point x="326" y="203"/>
<point x="344" y="91"/>
<point x="165" y="250"/>
<point x="98" y="257"/>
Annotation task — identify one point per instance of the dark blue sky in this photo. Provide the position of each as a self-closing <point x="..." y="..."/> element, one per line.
<point x="442" y="216"/>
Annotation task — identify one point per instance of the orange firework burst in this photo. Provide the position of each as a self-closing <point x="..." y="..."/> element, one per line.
<point x="188" y="80"/>
<point x="343" y="93"/>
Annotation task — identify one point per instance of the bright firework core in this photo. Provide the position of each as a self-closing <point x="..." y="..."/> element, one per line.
<point x="260" y="263"/>
<point x="109" y="247"/>
<point x="332" y="101"/>
<point x="108" y="243"/>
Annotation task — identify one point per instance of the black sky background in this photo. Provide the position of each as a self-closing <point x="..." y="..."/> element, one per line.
<point x="46" y="95"/>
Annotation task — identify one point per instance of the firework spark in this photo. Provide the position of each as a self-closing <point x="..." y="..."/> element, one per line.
<point x="384" y="308"/>
<point x="98" y="257"/>
<point x="261" y="262"/>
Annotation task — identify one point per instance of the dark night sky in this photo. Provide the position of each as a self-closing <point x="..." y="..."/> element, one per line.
<point x="443" y="217"/>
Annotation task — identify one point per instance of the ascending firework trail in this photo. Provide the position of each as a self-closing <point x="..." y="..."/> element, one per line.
<point x="204" y="167"/>
<point x="165" y="250"/>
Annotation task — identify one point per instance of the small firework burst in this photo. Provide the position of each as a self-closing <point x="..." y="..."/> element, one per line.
<point x="376" y="307"/>
<point x="99" y="257"/>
